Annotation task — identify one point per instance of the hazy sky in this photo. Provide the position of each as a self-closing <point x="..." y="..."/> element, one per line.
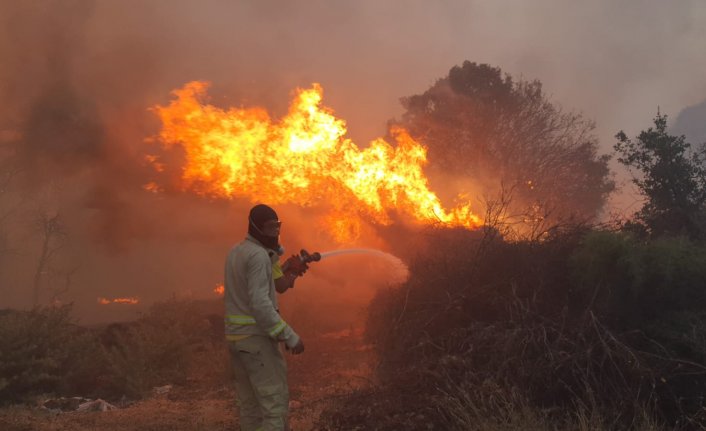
<point x="104" y="63"/>
<point x="615" y="61"/>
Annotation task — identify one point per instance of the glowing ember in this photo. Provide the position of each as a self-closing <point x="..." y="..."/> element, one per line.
<point x="105" y="301"/>
<point x="303" y="159"/>
<point x="219" y="289"/>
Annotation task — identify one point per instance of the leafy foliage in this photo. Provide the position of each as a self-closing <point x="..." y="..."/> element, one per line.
<point x="634" y="282"/>
<point x="592" y="322"/>
<point x="671" y="176"/>
<point x="38" y="350"/>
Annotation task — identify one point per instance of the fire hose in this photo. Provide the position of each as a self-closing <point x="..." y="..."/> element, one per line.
<point x="298" y="264"/>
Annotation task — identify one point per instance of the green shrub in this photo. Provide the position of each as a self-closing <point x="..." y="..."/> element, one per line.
<point x="594" y="322"/>
<point x="44" y="352"/>
<point x="41" y="351"/>
<point x="156" y="350"/>
<point x="634" y="282"/>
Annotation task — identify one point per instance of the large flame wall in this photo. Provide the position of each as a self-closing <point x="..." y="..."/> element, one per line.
<point x="302" y="159"/>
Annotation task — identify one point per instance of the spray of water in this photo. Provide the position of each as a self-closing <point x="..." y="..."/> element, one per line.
<point x="398" y="264"/>
<point x="358" y="251"/>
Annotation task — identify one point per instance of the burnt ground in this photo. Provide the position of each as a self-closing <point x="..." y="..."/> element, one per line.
<point x="332" y="366"/>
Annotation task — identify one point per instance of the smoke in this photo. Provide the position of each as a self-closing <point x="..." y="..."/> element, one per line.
<point x="691" y="122"/>
<point x="58" y="129"/>
<point x="77" y="79"/>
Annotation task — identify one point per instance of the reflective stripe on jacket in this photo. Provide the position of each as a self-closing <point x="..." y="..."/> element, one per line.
<point x="250" y="297"/>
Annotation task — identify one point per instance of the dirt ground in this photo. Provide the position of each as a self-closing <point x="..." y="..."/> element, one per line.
<point x="332" y="365"/>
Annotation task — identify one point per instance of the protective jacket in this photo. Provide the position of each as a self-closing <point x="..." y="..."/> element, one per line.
<point x="250" y="296"/>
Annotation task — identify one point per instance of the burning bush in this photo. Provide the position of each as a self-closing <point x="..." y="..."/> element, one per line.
<point x="584" y="330"/>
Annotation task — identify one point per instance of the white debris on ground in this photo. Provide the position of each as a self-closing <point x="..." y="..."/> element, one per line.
<point x="80" y="404"/>
<point x="77" y="404"/>
<point x="98" y="405"/>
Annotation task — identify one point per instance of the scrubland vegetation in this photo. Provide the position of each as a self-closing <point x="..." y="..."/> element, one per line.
<point x="583" y="330"/>
<point x="44" y="352"/>
<point x="169" y="370"/>
<point x="543" y="320"/>
<point x="572" y="327"/>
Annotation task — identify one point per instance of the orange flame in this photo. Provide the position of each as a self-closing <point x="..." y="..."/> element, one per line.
<point x="219" y="289"/>
<point x="303" y="159"/>
<point x="105" y="301"/>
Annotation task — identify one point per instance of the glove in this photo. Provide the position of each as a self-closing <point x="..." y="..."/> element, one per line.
<point x="294" y="265"/>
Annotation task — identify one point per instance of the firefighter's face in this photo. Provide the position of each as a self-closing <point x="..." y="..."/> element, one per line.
<point x="271" y="228"/>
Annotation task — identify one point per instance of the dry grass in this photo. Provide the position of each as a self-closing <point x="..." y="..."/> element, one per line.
<point x="501" y="336"/>
<point x="333" y="365"/>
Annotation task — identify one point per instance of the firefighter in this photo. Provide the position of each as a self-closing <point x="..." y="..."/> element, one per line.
<point x="254" y="327"/>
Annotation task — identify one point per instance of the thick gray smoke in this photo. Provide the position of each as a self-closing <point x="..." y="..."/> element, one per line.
<point x="77" y="79"/>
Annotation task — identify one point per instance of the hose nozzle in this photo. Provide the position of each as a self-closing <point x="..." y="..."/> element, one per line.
<point x="306" y="257"/>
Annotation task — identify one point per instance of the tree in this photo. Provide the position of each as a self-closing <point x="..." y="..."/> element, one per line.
<point x="9" y="170"/>
<point x="53" y="237"/>
<point x="672" y="178"/>
<point x="504" y="134"/>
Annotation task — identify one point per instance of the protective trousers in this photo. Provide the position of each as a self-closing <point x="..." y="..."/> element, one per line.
<point x="260" y="373"/>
